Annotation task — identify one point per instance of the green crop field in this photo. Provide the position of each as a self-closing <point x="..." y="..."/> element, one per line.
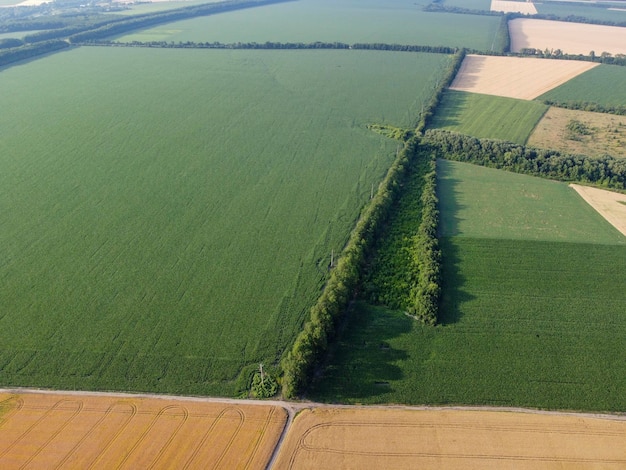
<point x="168" y="215"/>
<point x="485" y="116"/>
<point x="484" y="5"/>
<point x="479" y="202"/>
<point x="534" y="324"/>
<point x="605" y="85"/>
<point x="153" y="7"/>
<point x="526" y="319"/>
<point x="350" y="21"/>
<point x="599" y="12"/>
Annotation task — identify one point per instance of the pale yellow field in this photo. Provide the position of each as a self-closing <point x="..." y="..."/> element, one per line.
<point x="571" y="38"/>
<point x="606" y="133"/>
<point x="610" y="205"/>
<point x="50" y="431"/>
<point x="515" y="77"/>
<point x="400" y="439"/>
<point x="527" y="8"/>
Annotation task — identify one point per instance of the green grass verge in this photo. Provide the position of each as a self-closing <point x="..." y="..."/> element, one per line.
<point x="488" y="117"/>
<point x="168" y="215"/>
<point x="604" y="84"/>
<point x="350" y="21"/>
<point x="525" y="323"/>
<point x="482" y="202"/>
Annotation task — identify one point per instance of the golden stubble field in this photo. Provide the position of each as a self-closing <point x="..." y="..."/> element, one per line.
<point x="50" y="431"/>
<point x="570" y="38"/>
<point x="515" y="77"/>
<point x="610" y="205"/>
<point x="451" y="439"/>
<point x="602" y="134"/>
<point x="505" y="6"/>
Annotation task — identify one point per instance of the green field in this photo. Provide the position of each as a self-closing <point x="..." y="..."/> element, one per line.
<point x="479" y="202"/>
<point x="487" y="117"/>
<point x="533" y="324"/>
<point x="484" y="5"/>
<point x="350" y="21"/>
<point x="605" y="85"/>
<point x="168" y="215"/>
<point x="154" y="7"/>
<point x="593" y="12"/>
<point x="530" y="315"/>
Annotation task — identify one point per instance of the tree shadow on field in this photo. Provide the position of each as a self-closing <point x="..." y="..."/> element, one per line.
<point x="449" y="110"/>
<point x="453" y="281"/>
<point x="362" y="362"/>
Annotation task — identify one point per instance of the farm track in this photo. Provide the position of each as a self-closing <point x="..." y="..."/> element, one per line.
<point x="178" y="409"/>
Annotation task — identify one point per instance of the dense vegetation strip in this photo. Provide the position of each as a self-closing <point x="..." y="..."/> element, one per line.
<point x="15" y="54"/>
<point x="606" y="171"/>
<point x="588" y="106"/>
<point x="311" y="343"/>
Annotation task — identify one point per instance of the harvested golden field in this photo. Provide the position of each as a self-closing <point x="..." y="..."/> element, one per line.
<point x="581" y="132"/>
<point x="610" y="205"/>
<point x="570" y="38"/>
<point x="527" y="8"/>
<point x="88" y="431"/>
<point x="451" y="439"/>
<point x="515" y="77"/>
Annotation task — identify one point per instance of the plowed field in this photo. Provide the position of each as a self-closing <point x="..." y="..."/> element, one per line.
<point x="610" y="205"/>
<point x="402" y="439"/>
<point x="514" y="77"/>
<point x="571" y="38"/>
<point x="85" y="431"/>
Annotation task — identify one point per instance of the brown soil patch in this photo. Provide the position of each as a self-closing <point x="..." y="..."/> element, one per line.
<point x="72" y="431"/>
<point x="451" y="439"/>
<point x="571" y="38"/>
<point x="610" y="205"/>
<point x="515" y="77"/>
<point x="527" y="8"/>
<point x="604" y="134"/>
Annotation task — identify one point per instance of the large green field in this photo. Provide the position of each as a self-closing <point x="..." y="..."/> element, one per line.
<point x="479" y="202"/>
<point x="525" y="323"/>
<point x="350" y="21"/>
<point x="486" y="116"/>
<point x="168" y="215"/>
<point x="531" y="315"/>
<point x="605" y="85"/>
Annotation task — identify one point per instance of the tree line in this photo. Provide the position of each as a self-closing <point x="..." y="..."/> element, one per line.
<point x="605" y="171"/>
<point x="588" y="106"/>
<point x="8" y="56"/>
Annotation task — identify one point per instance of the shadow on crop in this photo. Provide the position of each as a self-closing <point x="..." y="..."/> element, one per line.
<point x="362" y="363"/>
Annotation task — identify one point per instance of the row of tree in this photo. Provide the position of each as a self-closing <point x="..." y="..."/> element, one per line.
<point x="588" y="106"/>
<point x="605" y="171"/>
<point x="312" y="342"/>
<point x="8" y="56"/>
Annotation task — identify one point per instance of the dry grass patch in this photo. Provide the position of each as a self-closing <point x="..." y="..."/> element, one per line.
<point x="85" y="431"/>
<point x="571" y="38"/>
<point x="515" y="77"/>
<point x="527" y="8"/>
<point x="451" y="439"/>
<point x="610" y="205"/>
<point x="581" y="132"/>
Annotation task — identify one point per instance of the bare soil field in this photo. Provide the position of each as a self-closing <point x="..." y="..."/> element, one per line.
<point x="527" y="8"/>
<point x="581" y="132"/>
<point x="610" y="205"/>
<point x="515" y="77"/>
<point x="570" y="38"/>
<point x="451" y="439"/>
<point x="86" y="431"/>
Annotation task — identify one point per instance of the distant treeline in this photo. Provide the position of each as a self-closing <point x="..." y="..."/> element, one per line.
<point x="8" y="56"/>
<point x="151" y="19"/>
<point x="276" y="45"/>
<point x="587" y="106"/>
<point x="605" y="171"/>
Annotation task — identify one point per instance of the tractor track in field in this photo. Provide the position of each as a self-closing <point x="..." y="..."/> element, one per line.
<point x="294" y="407"/>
